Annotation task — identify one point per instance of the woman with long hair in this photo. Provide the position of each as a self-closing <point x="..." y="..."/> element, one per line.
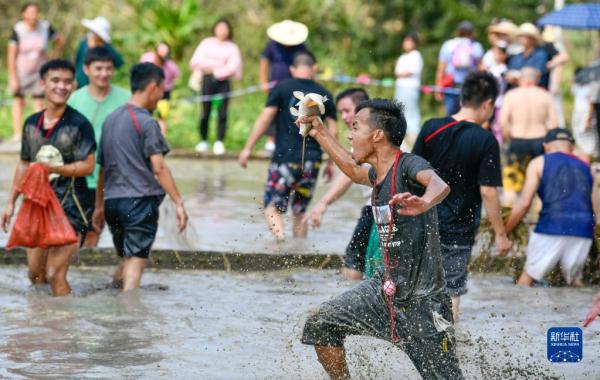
<point x="219" y="59"/>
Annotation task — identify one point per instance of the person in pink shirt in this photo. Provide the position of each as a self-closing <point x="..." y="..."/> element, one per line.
<point x="28" y="49"/>
<point x="219" y="59"/>
<point x="161" y="57"/>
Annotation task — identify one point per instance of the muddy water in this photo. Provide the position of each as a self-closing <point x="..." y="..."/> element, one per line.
<point x="219" y="325"/>
<point x="229" y="325"/>
<point x="224" y="203"/>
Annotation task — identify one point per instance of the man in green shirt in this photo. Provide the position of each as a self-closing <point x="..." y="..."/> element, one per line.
<point x="96" y="101"/>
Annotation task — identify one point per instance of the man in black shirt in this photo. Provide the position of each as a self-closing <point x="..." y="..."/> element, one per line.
<point x="72" y="134"/>
<point x="285" y="173"/>
<point x="405" y="302"/>
<point x="467" y="157"/>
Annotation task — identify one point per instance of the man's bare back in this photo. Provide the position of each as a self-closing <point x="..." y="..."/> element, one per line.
<point x="527" y="113"/>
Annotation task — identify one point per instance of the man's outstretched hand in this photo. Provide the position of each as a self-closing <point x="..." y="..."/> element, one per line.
<point x="410" y="205"/>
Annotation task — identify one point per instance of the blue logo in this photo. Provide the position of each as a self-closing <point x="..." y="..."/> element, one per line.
<point x="565" y="344"/>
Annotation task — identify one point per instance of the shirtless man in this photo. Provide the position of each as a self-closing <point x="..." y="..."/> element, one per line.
<point x="527" y="114"/>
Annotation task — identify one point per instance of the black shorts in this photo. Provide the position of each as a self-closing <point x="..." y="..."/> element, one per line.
<point x="455" y="260"/>
<point x="356" y="251"/>
<point x="81" y="220"/>
<point x="133" y="223"/>
<point x="423" y="326"/>
<point x="524" y="150"/>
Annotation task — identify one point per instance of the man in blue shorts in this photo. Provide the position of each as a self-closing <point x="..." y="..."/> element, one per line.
<point x="134" y="176"/>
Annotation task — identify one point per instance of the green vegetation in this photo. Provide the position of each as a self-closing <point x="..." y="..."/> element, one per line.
<point x="350" y="37"/>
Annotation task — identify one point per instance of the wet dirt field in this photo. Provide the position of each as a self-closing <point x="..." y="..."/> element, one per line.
<point x="219" y="325"/>
<point x="224" y="325"/>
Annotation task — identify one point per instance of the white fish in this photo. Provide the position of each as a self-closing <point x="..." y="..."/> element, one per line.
<point x="51" y="156"/>
<point x="310" y="104"/>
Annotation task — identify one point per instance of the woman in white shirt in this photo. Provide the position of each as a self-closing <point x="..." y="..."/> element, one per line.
<point x="408" y="84"/>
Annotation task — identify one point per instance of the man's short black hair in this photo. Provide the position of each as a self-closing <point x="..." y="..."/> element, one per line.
<point x="304" y="58"/>
<point x="479" y="86"/>
<point x="56" y="64"/>
<point x="387" y="115"/>
<point x="98" y="54"/>
<point x="142" y="74"/>
<point x="356" y="94"/>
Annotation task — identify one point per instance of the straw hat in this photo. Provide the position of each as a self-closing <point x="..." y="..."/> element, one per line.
<point x="503" y="27"/>
<point x="529" y="30"/>
<point x="288" y="32"/>
<point x="100" y="26"/>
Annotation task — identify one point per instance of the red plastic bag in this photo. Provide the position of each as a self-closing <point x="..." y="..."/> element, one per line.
<point x="447" y="81"/>
<point x="41" y="221"/>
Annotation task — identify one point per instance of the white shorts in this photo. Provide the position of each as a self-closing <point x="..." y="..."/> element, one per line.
<point x="545" y="251"/>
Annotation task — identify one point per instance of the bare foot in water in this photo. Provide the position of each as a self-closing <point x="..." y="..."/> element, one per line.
<point x="117" y="283"/>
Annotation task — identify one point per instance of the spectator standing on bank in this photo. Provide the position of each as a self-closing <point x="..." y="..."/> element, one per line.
<point x="458" y="57"/>
<point x="219" y="59"/>
<point x="497" y="67"/>
<point x="502" y="33"/>
<point x="98" y="35"/>
<point x="27" y="52"/>
<point x="161" y="57"/>
<point x="593" y="119"/>
<point x="533" y="55"/>
<point x="557" y="58"/>
<point x="286" y="38"/>
<point x="583" y="125"/>
<point x="408" y="84"/>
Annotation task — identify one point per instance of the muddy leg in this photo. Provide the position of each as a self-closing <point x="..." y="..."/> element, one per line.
<point x="300" y="227"/>
<point x="333" y="360"/>
<point x="275" y="222"/>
